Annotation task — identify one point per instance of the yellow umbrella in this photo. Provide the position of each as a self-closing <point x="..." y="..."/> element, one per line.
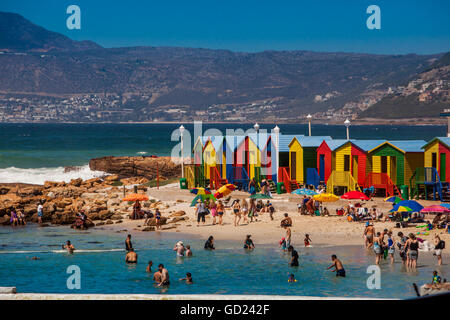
<point x="326" y="197"/>
<point x="224" y="190"/>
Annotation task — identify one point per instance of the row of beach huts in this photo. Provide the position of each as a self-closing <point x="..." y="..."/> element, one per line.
<point x="409" y="168"/>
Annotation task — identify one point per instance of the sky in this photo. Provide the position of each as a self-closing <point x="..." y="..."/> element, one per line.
<point x="412" y="26"/>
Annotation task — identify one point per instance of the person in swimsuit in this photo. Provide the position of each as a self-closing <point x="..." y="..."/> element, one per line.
<point x="286" y="221"/>
<point x="391" y="246"/>
<point x="69" y="247"/>
<point x="237" y="212"/>
<point x="413" y="251"/>
<point x="21" y="218"/>
<point x="131" y="256"/>
<point x="164" y="276"/>
<point x="248" y="243"/>
<point x="244" y="210"/>
<point x="307" y="240"/>
<point x="294" y="257"/>
<point x="179" y="248"/>
<point x="158" y="219"/>
<point x="188" y="251"/>
<point x="252" y="209"/>
<point x="188" y="278"/>
<point x="220" y="210"/>
<point x="128" y="244"/>
<point x="377" y="248"/>
<point x="401" y="244"/>
<point x="369" y="232"/>
<point x="291" y="278"/>
<point x="288" y="236"/>
<point x="209" y="244"/>
<point x="338" y="267"/>
<point x="149" y="267"/>
<point x="439" y="245"/>
<point x="157" y="277"/>
<point x="14" y="220"/>
<point x="213" y="210"/>
<point x="283" y="244"/>
<point x="40" y="212"/>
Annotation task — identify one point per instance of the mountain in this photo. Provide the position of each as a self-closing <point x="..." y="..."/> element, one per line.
<point x="424" y="96"/>
<point x="17" y="34"/>
<point x="170" y="83"/>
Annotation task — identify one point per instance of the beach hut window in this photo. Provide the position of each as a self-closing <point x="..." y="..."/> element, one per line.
<point x="346" y="162"/>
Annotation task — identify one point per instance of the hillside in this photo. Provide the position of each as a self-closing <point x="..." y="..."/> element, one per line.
<point x="424" y="96"/>
<point x="169" y="83"/>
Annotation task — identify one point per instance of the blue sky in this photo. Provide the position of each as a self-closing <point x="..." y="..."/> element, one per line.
<point x="250" y="25"/>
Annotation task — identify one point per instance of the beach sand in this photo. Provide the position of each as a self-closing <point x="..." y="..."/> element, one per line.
<point x="324" y="231"/>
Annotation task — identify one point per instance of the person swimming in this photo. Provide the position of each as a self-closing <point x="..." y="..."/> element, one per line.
<point x="164" y="281"/>
<point x="307" y="240"/>
<point x="248" y="244"/>
<point x="188" y="251"/>
<point x="188" y="278"/>
<point x="69" y="247"/>
<point x="131" y="256"/>
<point x="291" y="278"/>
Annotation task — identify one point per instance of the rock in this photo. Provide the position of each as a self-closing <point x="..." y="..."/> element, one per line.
<point x="149" y="229"/>
<point x="5" y="220"/>
<point x="179" y="201"/>
<point x="76" y="182"/>
<point x="116" y="217"/>
<point x="29" y="191"/>
<point x="127" y="167"/>
<point x="50" y="184"/>
<point x="176" y="219"/>
<point x="178" y="213"/>
<point x="167" y="227"/>
<point x="4" y="190"/>
<point x="100" y="215"/>
<point x="113" y="202"/>
<point x="51" y="195"/>
<point x="152" y="221"/>
<point x="109" y="222"/>
<point x="111" y="178"/>
<point x="119" y="221"/>
<point x="99" y="224"/>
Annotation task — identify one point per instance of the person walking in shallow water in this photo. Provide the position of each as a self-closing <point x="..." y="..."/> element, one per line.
<point x="338" y="267"/>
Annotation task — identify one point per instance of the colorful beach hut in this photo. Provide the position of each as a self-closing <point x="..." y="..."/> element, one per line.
<point x="437" y="155"/>
<point x="303" y="158"/>
<point x="397" y="159"/>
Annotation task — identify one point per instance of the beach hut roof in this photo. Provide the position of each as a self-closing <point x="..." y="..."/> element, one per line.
<point x="234" y="141"/>
<point x="408" y="145"/>
<point x="443" y="140"/>
<point x="335" y="144"/>
<point x="285" y="141"/>
<point x="313" y="141"/>
<point x="367" y="145"/>
<point x="260" y="139"/>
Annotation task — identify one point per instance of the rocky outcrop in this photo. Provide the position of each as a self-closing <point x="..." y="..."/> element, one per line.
<point x="125" y="167"/>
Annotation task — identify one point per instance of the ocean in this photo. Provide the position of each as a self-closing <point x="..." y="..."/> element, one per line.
<point x="33" y="153"/>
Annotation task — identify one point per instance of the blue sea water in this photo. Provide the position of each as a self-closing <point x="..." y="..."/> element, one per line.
<point x="227" y="270"/>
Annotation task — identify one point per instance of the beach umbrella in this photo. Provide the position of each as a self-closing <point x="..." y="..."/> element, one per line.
<point x="445" y="205"/>
<point x="393" y="199"/>
<point x="304" y="191"/>
<point x="225" y="190"/>
<point x="200" y="191"/>
<point x="260" y="196"/>
<point x="355" y="195"/>
<point x="202" y="197"/>
<point x="435" y="209"/>
<point x="135" y="197"/>
<point x="414" y="205"/>
<point x="326" y="197"/>
<point x="404" y="209"/>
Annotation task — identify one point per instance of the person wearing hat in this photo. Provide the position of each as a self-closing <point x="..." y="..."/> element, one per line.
<point x="179" y="248"/>
<point x="368" y="235"/>
<point x="201" y="212"/>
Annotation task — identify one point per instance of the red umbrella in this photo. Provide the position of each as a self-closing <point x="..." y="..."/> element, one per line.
<point x="355" y="195"/>
<point x="435" y="209"/>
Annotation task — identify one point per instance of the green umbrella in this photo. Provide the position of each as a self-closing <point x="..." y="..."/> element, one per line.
<point x="202" y="197"/>
<point x="260" y="196"/>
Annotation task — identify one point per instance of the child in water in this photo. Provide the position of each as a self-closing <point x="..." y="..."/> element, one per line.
<point x="307" y="240"/>
<point x="291" y="278"/>
<point x="283" y="244"/>
<point x="188" y="278"/>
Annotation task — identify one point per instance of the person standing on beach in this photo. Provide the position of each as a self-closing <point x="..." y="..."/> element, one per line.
<point x="40" y="212"/>
<point x="237" y="212"/>
<point x="338" y="267"/>
<point x="201" y="212"/>
<point x="244" y="210"/>
<point x="128" y="244"/>
<point x="220" y="211"/>
<point x="164" y="276"/>
<point x="369" y="233"/>
<point x="252" y="209"/>
<point x="439" y="245"/>
<point x="158" y="219"/>
<point x="213" y="210"/>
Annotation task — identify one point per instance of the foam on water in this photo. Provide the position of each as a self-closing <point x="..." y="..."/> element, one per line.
<point x="40" y="175"/>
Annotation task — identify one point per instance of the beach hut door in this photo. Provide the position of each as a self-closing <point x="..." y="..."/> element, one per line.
<point x="393" y="173"/>
<point x="293" y="165"/>
<point x="434" y="160"/>
<point x="322" y="167"/>
<point x="442" y="170"/>
<point x="355" y="168"/>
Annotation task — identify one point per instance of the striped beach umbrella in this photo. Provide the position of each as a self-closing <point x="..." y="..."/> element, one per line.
<point x="393" y="199"/>
<point x="225" y="190"/>
<point x="200" y="191"/>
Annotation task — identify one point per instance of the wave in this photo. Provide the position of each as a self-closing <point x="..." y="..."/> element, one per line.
<point x="141" y="152"/>
<point x="40" y="175"/>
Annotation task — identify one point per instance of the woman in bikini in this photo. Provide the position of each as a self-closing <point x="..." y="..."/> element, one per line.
<point x="377" y="248"/>
<point x="220" y="209"/>
<point x="244" y="210"/>
<point x="213" y="209"/>
<point x="237" y="212"/>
